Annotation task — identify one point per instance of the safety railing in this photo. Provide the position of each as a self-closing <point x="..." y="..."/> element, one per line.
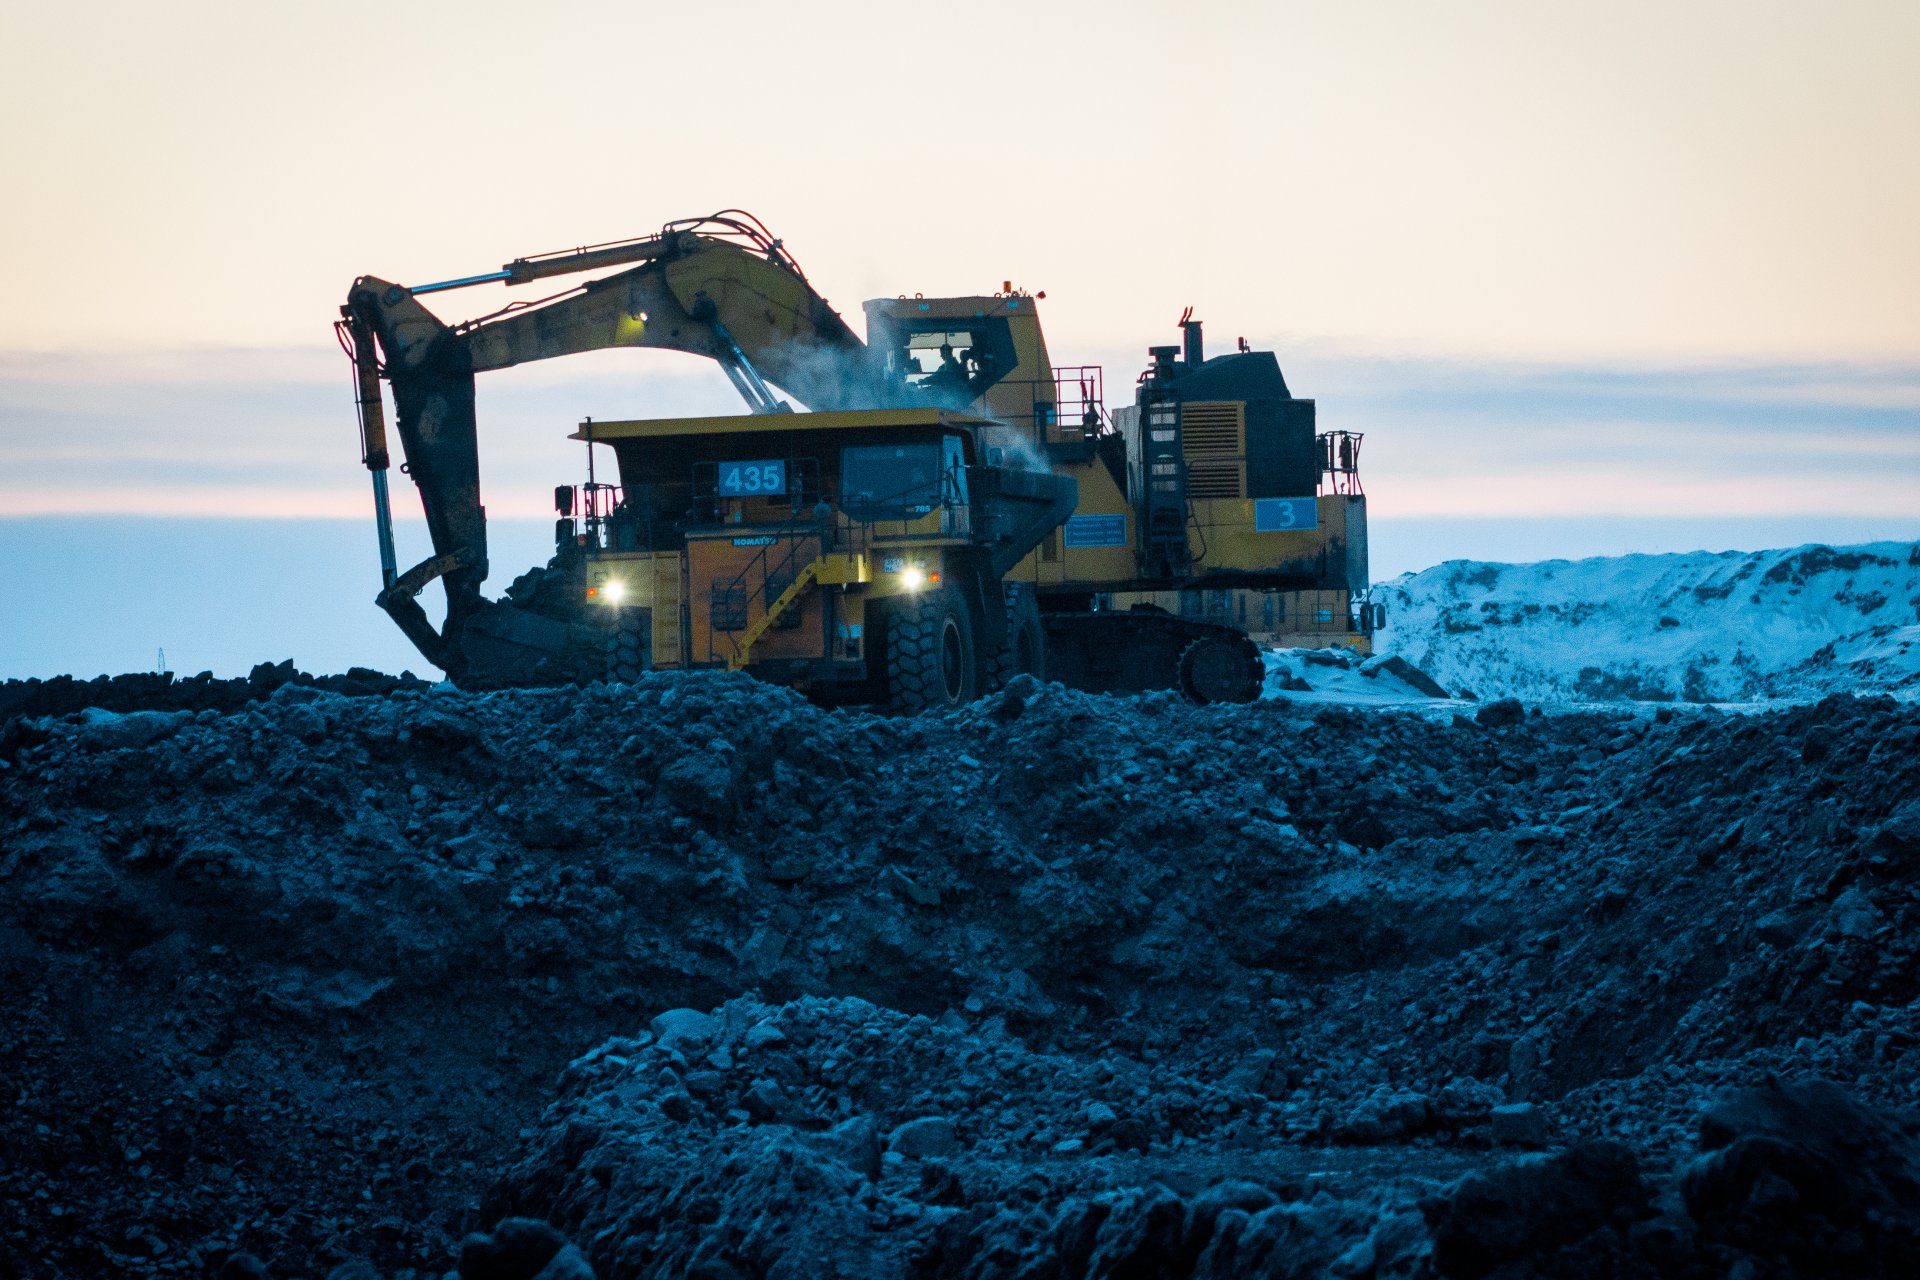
<point x="587" y="515"/>
<point x="1340" y="462"/>
<point x="1080" y="397"/>
<point x="1068" y="408"/>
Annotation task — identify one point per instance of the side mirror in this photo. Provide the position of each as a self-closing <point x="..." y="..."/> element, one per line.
<point x="563" y="499"/>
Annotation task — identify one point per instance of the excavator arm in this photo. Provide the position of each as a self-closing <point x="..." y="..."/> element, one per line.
<point x="720" y="287"/>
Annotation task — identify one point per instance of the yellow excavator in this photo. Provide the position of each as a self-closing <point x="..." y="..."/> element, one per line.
<point x="951" y="508"/>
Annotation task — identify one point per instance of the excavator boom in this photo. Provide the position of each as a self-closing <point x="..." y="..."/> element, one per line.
<point x="720" y="287"/>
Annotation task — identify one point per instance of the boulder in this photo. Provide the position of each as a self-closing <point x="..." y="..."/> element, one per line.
<point x="927" y="1137"/>
<point x="1392" y="664"/>
<point x="1500" y="714"/>
<point x="522" y="1249"/>
<point x="113" y="731"/>
<point x="1534" y="1208"/>
<point x="683" y="1027"/>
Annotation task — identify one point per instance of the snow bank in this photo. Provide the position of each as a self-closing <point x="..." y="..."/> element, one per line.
<point x="1700" y="627"/>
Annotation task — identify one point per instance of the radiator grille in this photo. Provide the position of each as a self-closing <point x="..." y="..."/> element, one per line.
<point x="1213" y="428"/>
<point x="1213" y="437"/>
<point x="1215" y="478"/>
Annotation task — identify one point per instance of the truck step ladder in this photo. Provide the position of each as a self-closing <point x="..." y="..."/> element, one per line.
<point x="801" y="581"/>
<point x="835" y="570"/>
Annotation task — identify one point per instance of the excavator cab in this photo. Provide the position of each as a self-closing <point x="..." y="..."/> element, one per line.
<point x="986" y="355"/>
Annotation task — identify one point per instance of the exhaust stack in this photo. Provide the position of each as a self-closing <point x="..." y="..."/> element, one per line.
<point x="1196" y="350"/>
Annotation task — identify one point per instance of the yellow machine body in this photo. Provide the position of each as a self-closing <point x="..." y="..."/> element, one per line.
<point x="1286" y="586"/>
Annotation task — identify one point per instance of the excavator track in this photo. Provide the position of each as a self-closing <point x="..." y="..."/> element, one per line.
<point x="1137" y="651"/>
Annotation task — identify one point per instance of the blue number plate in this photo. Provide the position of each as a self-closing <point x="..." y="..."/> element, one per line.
<point x="1277" y="515"/>
<point x="753" y="479"/>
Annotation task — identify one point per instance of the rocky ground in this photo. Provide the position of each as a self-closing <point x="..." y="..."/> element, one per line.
<point x="301" y="980"/>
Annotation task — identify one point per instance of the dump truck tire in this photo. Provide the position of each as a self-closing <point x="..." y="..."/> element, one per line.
<point x="627" y="647"/>
<point x="932" y="651"/>
<point x="1024" y="652"/>
<point x="1217" y="669"/>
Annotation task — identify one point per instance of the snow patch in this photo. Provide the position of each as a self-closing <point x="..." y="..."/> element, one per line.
<point x="1786" y="625"/>
<point x="1338" y="676"/>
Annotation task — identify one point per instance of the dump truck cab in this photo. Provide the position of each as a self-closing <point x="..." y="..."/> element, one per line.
<point x="812" y="549"/>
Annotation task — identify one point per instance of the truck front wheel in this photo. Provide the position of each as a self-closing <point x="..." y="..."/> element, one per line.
<point x="932" y="651"/>
<point x="627" y="645"/>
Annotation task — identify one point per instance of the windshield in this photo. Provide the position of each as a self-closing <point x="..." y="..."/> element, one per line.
<point x="896" y="480"/>
<point x="892" y="479"/>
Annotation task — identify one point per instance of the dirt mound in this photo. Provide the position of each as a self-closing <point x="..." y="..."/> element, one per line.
<point x="829" y="1137"/>
<point x="164" y="691"/>
<point x="297" y="977"/>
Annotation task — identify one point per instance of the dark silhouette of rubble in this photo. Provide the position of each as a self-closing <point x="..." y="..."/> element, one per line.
<point x="326" y="980"/>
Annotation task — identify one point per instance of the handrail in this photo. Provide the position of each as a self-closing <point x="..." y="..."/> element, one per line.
<point x="1340" y="462"/>
<point x="751" y="636"/>
<point x="739" y="583"/>
<point x="1077" y="410"/>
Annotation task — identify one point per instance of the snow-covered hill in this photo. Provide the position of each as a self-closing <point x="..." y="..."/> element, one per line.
<point x="1701" y="626"/>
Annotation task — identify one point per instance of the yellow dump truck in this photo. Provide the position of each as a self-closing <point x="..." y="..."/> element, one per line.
<point x="859" y="555"/>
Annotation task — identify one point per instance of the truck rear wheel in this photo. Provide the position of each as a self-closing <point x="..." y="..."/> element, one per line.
<point x="932" y="651"/>
<point x="1024" y="651"/>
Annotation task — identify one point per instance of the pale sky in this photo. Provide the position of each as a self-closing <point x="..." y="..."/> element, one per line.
<point x="1657" y="181"/>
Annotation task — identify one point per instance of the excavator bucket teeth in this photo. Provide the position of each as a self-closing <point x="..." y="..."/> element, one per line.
<point x="412" y="621"/>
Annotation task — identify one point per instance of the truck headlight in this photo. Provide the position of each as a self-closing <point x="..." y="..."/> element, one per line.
<point x="613" y="592"/>
<point x="912" y="578"/>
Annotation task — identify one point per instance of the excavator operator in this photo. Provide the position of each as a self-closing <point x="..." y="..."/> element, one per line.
<point x="951" y="377"/>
